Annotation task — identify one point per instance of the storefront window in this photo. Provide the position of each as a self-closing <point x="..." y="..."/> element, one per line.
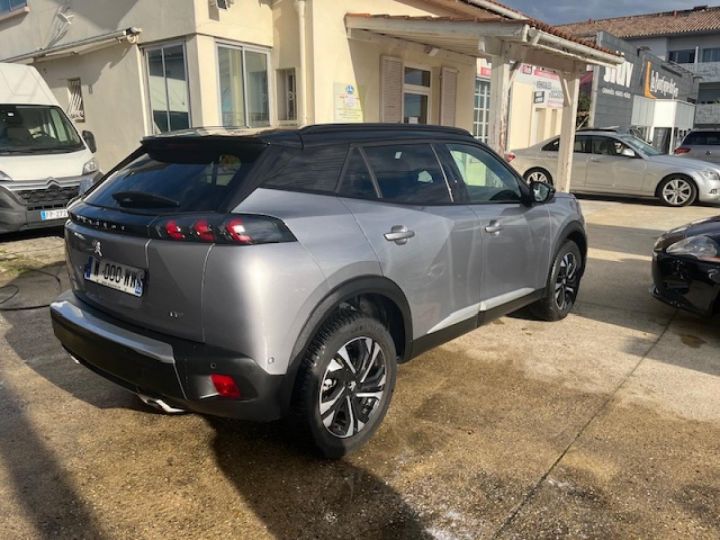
<point x="482" y="109"/>
<point x="244" y="96"/>
<point x="416" y="96"/>
<point x="168" y="88"/>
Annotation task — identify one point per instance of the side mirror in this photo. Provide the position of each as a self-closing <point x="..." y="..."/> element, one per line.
<point x="541" y="192"/>
<point x="628" y="152"/>
<point x="89" y="139"/>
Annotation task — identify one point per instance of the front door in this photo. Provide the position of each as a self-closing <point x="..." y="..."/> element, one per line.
<point x="515" y="237"/>
<point x="425" y="244"/>
<point x="615" y="167"/>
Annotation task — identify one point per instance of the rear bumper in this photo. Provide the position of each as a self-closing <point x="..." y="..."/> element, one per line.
<point x="174" y="370"/>
<point x="687" y="284"/>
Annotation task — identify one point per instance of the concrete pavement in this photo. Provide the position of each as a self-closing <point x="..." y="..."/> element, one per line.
<point x="604" y="425"/>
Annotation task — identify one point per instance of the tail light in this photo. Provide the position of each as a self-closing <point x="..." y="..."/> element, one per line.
<point x="222" y="229"/>
<point x="509" y="156"/>
<point x="682" y="150"/>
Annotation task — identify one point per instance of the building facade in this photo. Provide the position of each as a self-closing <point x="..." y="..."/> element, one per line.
<point x="689" y="38"/>
<point x="126" y="69"/>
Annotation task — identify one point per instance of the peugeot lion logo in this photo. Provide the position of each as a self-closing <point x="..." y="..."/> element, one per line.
<point x="98" y="249"/>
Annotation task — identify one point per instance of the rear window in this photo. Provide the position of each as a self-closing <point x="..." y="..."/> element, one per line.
<point x="178" y="178"/>
<point x="703" y="138"/>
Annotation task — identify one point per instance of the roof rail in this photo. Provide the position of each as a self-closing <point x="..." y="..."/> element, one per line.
<point x="331" y="128"/>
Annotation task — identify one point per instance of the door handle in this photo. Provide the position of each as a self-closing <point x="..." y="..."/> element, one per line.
<point x="494" y="227"/>
<point x="399" y="234"/>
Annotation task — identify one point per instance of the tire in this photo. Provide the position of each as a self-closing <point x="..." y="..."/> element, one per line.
<point x="538" y="175"/>
<point x="563" y="286"/>
<point x="328" y="404"/>
<point x="677" y="191"/>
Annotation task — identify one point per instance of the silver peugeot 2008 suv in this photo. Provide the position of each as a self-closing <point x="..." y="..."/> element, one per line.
<point x="287" y="273"/>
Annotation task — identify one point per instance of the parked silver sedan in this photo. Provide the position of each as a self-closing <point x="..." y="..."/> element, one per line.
<point x="621" y="164"/>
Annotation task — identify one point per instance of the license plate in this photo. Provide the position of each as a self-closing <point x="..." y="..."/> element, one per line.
<point x="115" y="275"/>
<point x="47" y="215"/>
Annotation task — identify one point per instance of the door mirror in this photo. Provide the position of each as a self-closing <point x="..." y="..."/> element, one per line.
<point x="628" y="152"/>
<point x="89" y="139"/>
<point x="541" y="192"/>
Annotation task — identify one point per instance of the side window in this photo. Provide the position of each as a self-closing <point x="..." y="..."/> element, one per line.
<point x="607" y="146"/>
<point x="408" y="173"/>
<point x="582" y="145"/>
<point x="357" y="181"/>
<point x="487" y="179"/>
<point x="552" y="146"/>
<point x="311" y="169"/>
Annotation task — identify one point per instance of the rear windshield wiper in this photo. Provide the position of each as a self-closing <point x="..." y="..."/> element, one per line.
<point x="142" y="199"/>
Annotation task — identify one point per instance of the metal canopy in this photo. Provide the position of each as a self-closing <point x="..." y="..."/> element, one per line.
<point x="503" y="41"/>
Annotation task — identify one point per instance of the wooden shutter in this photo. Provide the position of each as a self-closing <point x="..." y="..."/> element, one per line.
<point x="391" y="89"/>
<point x="448" y="96"/>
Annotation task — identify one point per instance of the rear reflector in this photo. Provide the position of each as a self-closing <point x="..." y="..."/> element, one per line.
<point x="509" y="157"/>
<point x="682" y="150"/>
<point x="244" y="229"/>
<point x="225" y="385"/>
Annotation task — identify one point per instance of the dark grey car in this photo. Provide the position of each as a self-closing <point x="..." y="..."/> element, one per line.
<point x="253" y="276"/>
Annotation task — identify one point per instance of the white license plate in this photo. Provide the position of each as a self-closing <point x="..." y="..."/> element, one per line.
<point x="115" y="275"/>
<point x="46" y="215"/>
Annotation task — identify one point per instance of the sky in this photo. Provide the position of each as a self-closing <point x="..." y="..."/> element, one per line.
<point x="564" y="11"/>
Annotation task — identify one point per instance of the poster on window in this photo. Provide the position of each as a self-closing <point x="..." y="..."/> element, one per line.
<point x="348" y="107"/>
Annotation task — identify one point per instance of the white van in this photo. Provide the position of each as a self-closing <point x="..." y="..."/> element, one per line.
<point x="43" y="158"/>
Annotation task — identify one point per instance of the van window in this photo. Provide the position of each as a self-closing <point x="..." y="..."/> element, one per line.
<point x="703" y="138"/>
<point x="36" y="129"/>
<point x="311" y="169"/>
<point x="408" y="173"/>
<point x="188" y="176"/>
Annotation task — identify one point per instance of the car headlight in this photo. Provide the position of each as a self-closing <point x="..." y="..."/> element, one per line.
<point x="701" y="247"/>
<point x="709" y="174"/>
<point x="90" y="167"/>
<point x="4" y="177"/>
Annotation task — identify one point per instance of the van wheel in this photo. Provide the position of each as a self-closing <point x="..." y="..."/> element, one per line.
<point x="563" y="284"/>
<point x="538" y="175"/>
<point x="345" y="383"/>
<point x="677" y="191"/>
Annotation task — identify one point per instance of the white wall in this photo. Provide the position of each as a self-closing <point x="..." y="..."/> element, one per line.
<point x="112" y="94"/>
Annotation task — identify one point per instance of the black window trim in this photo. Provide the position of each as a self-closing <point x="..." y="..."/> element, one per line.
<point x="524" y="193"/>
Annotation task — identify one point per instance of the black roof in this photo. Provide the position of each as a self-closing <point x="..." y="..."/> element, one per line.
<point x="319" y="134"/>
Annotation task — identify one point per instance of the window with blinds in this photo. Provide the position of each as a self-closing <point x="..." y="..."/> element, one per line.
<point x="76" y="108"/>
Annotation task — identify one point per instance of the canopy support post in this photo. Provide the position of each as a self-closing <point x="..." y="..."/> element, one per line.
<point x="571" y="90"/>
<point x="499" y="94"/>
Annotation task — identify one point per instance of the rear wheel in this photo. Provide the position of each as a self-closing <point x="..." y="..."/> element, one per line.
<point x="677" y="191"/>
<point x="563" y="284"/>
<point x="538" y="175"/>
<point x="346" y="383"/>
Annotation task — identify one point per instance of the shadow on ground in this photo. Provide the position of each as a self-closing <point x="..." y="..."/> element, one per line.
<point x="297" y="495"/>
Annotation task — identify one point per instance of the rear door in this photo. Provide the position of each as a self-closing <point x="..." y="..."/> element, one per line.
<point x="580" y="159"/>
<point x="430" y="247"/>
<point x="515" y="236"/>
<point x="118" y="264"/>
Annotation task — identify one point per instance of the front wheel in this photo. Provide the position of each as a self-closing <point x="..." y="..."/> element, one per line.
<point x="563" y="284"/>
<point x="346" y="383"/>
<point x="677" y="191"/>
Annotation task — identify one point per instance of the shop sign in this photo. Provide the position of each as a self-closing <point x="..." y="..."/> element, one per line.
<point x="659" y="86"/>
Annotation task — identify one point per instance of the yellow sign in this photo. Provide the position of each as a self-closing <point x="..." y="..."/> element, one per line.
<point x="348" y="107"/>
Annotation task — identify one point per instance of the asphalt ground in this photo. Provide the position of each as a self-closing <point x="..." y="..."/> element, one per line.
<point x="604" y="425"/>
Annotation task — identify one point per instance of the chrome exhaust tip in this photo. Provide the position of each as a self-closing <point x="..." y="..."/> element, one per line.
<point x="160" y="405"/>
